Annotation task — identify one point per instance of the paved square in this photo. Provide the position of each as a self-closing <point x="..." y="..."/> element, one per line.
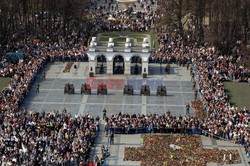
<point x="52" y="97"/>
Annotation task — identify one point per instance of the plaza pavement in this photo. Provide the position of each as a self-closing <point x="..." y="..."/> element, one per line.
<point x="179" y="87"/>
<point x="52" y="97"/>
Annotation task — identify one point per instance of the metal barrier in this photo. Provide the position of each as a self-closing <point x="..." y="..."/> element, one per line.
<point x="82" y="58"/>
<point x="157" y="130"/>
<point x="191" y="131"/>
<point x="107" y="147"/>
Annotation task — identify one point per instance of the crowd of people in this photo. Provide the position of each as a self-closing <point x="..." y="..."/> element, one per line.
<point x="38" y="138"/>
<point x="33" y="138"/>
<point x="107" y="17"/>
<point x="212" y="67"/>
<point x="150" y="122"/>
<point x="226" y="65"/>
<point x="124" y="21"/>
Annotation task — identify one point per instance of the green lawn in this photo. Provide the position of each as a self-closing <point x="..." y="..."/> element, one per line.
<point x="239" y="93"/>
<point x="120" y="37"/>
<point x="154" y="40"/>
<point x="4" y="82"/>
<point x="123" y="35"/>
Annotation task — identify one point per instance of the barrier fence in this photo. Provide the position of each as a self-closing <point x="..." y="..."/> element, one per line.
<point x="107" y="149"/>
<point x="189" y="131"/>
<point x="82" y="58"/>
<point x="154" y="130"/>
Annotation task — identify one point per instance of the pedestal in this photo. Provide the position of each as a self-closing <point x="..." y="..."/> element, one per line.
<point x="127" y="68"/>
<point x="109" y="67"/>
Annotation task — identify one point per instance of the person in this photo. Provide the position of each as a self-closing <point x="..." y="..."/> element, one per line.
<point x="168" y="112"/>
<point x="136" y="69"/>
<point x="194" y="85"/>
<point x="112" y="138"/>
<point x="99" y="163"/>
<point x="192" y="78"/>
<point x="103" y="151"/>
<point x="187" y="109"/>
<point x="191" y="71"/>
<point x="37" y="88"/>
<point x="97" y="160"/>
<point x="101" y="69"/>
<point x="106" y="127"/>
<point x="104" y="114"/>
<point x="167" y="68"/>
<point x="44" y="75"/>
<point x="195" y="94"/>
<point x="97" y="123"/>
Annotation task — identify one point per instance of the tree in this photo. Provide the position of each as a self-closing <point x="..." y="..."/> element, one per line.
<point x="228" y="20"/>
<point x="23" y="18"/>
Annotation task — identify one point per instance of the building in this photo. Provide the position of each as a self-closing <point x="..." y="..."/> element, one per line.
<point x="112" y="59"/>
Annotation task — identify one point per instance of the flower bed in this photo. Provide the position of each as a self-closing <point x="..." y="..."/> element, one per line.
<point x="184" y="150"/>
<point x="68" y="67"/>
<point x="198" y="108"/>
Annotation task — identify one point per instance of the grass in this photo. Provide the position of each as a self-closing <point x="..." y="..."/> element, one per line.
<point x="239" y="93"/>
<point x="120" y="37"/>
<point x="4" y="82"/>
<point x="154" y="40"/>
<point x="120" y="40"/>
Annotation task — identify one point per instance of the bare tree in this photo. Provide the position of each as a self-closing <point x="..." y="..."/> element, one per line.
<point x="24" y="18"/>
<point x="225" y="21"/>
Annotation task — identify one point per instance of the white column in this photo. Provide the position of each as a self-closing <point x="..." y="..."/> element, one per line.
<point x="109" y="67"/>
<point x="127" y="67"/>
<point x="92" y="66"/>
<point x="144" y="67"/>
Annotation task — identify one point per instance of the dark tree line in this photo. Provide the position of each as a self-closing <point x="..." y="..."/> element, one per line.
<point x="24" y="18"/>
<point x="218" y="21"/>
